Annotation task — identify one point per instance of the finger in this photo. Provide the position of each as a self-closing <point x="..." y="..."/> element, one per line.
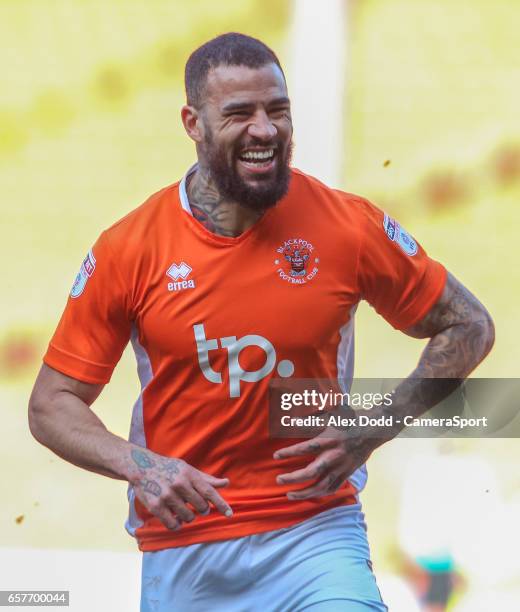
<point x="167" y="518"/>
<point x="208" y="492"/>
<point x="152" y="501"/>
<point x="193" y="497"/>
<point x="327" y="486"/>
<point x="314" y="470"/>
<point x="309" y="447"/>
<point x="178" y="504"/>
<point x="215" y="482"/>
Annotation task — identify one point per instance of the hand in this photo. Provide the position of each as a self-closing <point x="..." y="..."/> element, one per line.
<point x="165" y="485"/>
<point x="336" y="459"/>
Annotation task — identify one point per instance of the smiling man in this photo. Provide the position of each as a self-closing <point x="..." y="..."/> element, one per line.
<point x="243" y="166"/>
<point x="205" y="279"/>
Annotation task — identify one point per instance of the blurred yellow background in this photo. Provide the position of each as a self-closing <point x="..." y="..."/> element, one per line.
<point x="90" y="126"/>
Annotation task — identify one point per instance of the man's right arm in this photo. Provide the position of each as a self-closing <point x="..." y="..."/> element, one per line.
<point x="61" y="419"/>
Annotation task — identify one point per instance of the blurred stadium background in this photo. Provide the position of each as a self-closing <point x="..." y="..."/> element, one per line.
<point x="423" y="100"/>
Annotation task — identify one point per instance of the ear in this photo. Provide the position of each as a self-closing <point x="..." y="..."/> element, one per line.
<point x="191" y="120"/>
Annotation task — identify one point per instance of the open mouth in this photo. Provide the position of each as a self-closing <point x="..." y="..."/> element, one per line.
<point x="259" y="160"/>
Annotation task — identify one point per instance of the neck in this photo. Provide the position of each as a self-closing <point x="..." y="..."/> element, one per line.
<point x="219" y="215"/>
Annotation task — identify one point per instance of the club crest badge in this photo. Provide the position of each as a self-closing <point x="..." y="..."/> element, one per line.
<point x="398" y="234"/>
<point x="296" y="261"/>
<point x="85" y="272"/>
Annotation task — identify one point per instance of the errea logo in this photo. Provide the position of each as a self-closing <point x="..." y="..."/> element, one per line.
<point x="179" y="274"/>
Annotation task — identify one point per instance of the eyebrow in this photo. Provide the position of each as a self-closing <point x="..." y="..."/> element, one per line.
<point x="237" y="106"/>
<point x="284" y="101"/>
<point x="234" y="106"/>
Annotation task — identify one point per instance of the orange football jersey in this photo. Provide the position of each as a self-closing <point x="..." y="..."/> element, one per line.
<point x="213" y="319"/>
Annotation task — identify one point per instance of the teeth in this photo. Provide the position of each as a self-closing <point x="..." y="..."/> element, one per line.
<point x="258" y="154"/>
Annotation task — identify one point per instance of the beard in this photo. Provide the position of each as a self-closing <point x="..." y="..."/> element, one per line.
<point x="265" y="193"/>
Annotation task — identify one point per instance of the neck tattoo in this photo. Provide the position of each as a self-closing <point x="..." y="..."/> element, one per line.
<point x="216" y="214"/>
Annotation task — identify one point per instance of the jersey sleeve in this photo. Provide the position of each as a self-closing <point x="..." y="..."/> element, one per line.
<point x="96" y="323"/>
<point x="395" y="274"/>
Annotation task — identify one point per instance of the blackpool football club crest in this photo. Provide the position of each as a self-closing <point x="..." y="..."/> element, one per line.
<point x="296" y="261"/>
<point x="398" y="234"/>
<point x="85" y="272"/>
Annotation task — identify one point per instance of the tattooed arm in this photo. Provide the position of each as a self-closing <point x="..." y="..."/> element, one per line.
<point x="461" y="334"/>
<point x="61" y="419"/>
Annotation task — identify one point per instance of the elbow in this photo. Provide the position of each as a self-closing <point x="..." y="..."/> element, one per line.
<point x="36" y="415"/>
<point x="487" y="333"/>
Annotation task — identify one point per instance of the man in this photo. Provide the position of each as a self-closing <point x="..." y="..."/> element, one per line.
<point x="205" y="278"/>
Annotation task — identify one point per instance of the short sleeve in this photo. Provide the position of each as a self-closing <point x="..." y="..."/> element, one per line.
<point x="395" y="274"/>
<point x="96" y="324"/>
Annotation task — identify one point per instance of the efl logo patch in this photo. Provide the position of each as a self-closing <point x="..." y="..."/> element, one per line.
<point x="398" y="234"/>
<point x="298" y="262"/>
<point x="85" y="272"/>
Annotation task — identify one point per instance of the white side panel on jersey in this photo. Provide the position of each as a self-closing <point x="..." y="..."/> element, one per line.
<point x="345" y="355"/>
<point x="137" y="435"/>
<point x="345" y="365"/>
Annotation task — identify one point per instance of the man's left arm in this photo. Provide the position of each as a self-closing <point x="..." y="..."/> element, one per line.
<point x="461" y="334"/>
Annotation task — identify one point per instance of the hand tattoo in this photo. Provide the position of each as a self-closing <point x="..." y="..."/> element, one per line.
<point x="167" y="467"/>
<point x="321" y="468"/>
<point x="170" y="468"/>
<point x="142" y="459"/>
<point x="334" y="482"/>
<point x="152" y="487"/>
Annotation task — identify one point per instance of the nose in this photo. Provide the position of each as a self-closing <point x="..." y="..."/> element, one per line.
<point x="262" y="127"/>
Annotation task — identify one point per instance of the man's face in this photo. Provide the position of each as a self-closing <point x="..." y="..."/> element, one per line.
<point x="247" y="132"/>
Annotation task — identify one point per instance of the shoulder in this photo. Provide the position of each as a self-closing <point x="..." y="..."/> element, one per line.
<point x="132" y="235"/>
<point x="128" y="248"/>
<point x="151" y="217"/>
<point x="352" y="207"/>
<point x="129" y="244"/>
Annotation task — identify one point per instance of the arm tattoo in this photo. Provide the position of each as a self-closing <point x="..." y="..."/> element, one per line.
<point x="461" y="334"/>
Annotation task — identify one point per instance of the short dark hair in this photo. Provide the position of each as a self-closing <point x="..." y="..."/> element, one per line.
<point x="230" y="49"/>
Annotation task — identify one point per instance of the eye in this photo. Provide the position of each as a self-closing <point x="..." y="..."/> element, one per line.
<point x="237" y="114"/>
<point x="279" y="111"/>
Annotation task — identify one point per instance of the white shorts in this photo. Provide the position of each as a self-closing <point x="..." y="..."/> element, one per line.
<point x="319" y="565"/>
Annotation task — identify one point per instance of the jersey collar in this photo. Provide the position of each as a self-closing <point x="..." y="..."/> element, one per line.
<point x="183" y="194"/>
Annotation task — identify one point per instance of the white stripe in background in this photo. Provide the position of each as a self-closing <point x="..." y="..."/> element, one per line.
<point x="316" y="82"/>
